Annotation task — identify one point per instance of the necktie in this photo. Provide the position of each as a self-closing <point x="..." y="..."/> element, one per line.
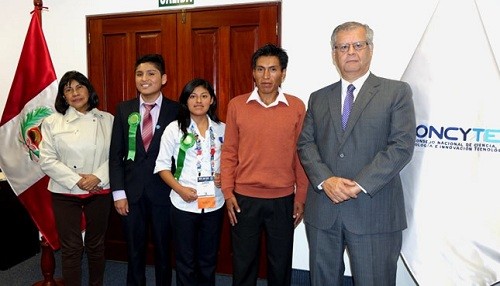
<point x="349" y="99"/>
<point x="147" y="126"/>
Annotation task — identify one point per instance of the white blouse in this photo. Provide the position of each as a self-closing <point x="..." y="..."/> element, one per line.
<point x="169" y="147"/>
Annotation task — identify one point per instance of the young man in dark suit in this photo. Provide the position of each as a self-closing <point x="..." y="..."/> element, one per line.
<point x="141" y="197"/>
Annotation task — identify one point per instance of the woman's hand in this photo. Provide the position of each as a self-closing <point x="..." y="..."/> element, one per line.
<point x="187" y="194"/>
<point x="217" y="180"/>
<point x="89" y="183"/>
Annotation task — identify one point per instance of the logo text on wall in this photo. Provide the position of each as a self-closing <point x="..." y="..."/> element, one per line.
<point x="163" y="3"/>
<point x="458" y="138"/>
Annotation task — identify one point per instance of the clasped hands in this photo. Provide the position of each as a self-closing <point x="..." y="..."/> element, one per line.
<point x="340" y="189"/>
<point x="89" y="183"/>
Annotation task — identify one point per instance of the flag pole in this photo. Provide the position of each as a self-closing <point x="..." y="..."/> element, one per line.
<point x="48" y="265"/>
<point x="39" y="6"/>
<point x="47" y="260"/>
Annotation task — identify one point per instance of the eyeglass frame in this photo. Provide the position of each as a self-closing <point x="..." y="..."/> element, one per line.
<point x="358" y="46"/>
<point x="68" y="90"/>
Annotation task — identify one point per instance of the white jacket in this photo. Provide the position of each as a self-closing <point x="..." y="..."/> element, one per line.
<point x="74" y="144"/>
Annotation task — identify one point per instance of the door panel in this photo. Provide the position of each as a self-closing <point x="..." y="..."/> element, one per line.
<point x="215" y="43"/>
<point x="115" y="43"/>
<point x="224" y="38"/>
<point x="115" y="81"/>
<point x="204" y="55"/>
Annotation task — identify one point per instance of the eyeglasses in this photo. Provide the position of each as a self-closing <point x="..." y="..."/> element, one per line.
<point x="69" y="90"/>
<point x="358" y="46"/>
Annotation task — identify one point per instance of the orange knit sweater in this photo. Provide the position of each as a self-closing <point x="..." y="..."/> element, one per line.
<point x="259" y="154"/>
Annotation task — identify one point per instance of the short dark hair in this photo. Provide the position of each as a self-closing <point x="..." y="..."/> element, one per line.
<point x="184" y="116"/>
<point x="61" y="105"/>
<point x="270" y="50"/>
<point x="155" y="59"/>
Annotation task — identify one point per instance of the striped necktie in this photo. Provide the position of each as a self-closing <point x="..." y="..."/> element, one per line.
<point x="147" y="126"/>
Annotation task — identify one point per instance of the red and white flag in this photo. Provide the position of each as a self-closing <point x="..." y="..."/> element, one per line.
<point x="31" y="98"/>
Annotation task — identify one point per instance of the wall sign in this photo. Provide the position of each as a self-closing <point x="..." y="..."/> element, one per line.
<point x="164" y="3"/>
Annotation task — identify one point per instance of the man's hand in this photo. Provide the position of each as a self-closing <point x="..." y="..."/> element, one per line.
<point x="121" y="207"/>
<point x="340" y="189"/>
<point x="298" y="213"/>
<point x="232" y="208"/>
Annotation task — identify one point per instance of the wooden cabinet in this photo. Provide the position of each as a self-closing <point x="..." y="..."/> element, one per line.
<point x="215" y="43"/>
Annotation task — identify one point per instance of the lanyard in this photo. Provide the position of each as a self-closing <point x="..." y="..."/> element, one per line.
<point x="189" y="140"/>
<point x="199" y="150"/>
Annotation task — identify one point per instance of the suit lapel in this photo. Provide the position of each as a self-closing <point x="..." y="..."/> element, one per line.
<point x="162" y="120"/>
<point x="166" y="115"/>
<point x="133" y="106"/>
<point x="335" y="107"/>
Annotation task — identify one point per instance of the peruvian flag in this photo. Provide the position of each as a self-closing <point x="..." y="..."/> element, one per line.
<point x="31" y="98"/>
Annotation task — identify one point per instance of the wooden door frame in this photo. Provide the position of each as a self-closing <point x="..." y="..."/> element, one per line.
<point x="178" y="74"/>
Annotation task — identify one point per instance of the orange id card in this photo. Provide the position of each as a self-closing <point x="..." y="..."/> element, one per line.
<point x="206" y="202"/>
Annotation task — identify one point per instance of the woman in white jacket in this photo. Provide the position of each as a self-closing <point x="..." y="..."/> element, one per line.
<point x="74" y="154"/>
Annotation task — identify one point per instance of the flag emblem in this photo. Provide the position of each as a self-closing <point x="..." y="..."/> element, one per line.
<point x="30" y="135"/>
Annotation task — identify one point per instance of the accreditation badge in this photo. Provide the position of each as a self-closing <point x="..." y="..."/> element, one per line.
<point x="205" y="189"/>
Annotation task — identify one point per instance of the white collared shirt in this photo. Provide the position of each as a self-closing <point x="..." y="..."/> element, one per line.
<point x="255" y="96"/>
<point x="169" y="146"/>
<point x="357" y="84"/>
<point x="155" y="111"/>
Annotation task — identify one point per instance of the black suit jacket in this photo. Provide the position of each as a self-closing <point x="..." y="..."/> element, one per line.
<point x="136" y="176"/>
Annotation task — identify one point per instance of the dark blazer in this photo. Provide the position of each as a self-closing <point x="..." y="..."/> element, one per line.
<point x="136" y="177"/>
<point x="377" y="143"/>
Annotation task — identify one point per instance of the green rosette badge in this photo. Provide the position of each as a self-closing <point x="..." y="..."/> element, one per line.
<point x="186" y="143"/>
<point x="133" y="121"/>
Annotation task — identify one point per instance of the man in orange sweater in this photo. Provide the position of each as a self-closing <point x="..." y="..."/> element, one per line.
<point x="263" y="182"/>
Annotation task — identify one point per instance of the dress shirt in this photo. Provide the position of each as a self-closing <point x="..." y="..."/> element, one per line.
<point x="155" y="111"/>
<point x="357" y="84"/>
<point x="255" y="96"/>
<point x="169" y="146"/>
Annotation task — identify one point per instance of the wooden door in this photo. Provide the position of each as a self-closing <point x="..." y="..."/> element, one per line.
<point x="218" y="45"/>
<point x="214" y="43"/>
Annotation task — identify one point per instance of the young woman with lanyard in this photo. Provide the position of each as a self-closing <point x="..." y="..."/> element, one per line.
<point x="194" y="143"/>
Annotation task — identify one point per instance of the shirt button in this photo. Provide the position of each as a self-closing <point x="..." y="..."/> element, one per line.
<point x="341" y="155"/>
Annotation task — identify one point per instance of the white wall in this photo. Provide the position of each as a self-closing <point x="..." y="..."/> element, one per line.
<point x="306" y="30"/>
